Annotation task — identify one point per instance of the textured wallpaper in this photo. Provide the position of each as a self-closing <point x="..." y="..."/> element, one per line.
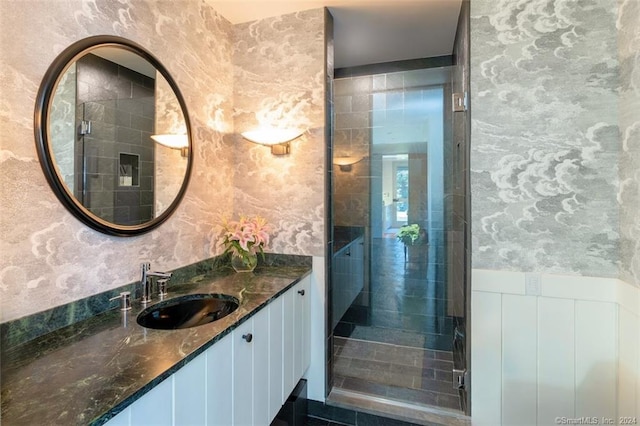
<point x="545" y="136"/>
<point x="48" y="258"/>
<point x="279" y="81"/>
<point x="629" y="107"/>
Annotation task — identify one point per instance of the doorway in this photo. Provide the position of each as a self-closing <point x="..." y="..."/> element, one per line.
<point x="397" y="178"/>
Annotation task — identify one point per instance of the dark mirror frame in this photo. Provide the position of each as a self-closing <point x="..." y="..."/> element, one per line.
<point x="41" y="125"/>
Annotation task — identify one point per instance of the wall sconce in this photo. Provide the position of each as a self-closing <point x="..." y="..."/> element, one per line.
<point x="345" y="163"/>
<point x="173" y="141"/>
<point x="278" y="139"/>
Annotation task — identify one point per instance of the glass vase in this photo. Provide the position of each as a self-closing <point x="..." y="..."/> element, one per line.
<point x="244" y="262"/>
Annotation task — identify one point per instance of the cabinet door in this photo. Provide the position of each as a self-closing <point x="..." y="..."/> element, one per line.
<point x="288" y="344"/>
<point x="306" y="326"/>
<point x="121" y="419"/>
<point x="260" y="346"/>
<point x="155" y="407"/>
<point x="276" y="354"/>
<point x="189" y="391"/>
<point x="243" y="374"/>
<point x="301" y="332"/>
<point x="220" y="382"/>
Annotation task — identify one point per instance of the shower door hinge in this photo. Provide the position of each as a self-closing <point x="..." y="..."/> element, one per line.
<point x="460" y="378"/>
<point x="459" y="101"/>
<point x="85" y="127"/>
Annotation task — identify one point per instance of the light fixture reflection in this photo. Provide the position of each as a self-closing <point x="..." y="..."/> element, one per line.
<point x="174" y="141"/>
<point x="278" y="139"/>
<point x="346" y="163"/>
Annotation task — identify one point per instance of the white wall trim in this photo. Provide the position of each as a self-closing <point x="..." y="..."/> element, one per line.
<point x="575" y="287"/>
<point x="546" y="346"/>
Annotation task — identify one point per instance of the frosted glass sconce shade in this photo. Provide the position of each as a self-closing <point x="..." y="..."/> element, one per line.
<point x="278" y="139"/>
<point x="345" y="163"/>
<point x="174" y="141"/>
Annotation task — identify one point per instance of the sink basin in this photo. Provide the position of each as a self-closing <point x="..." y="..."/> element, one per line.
<point x="187" y="311"/>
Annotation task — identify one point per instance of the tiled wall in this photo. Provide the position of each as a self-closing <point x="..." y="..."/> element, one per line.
<point x="119" y="104"/>
<point x="352" y="138"/>
<point x="279" y="80"/>
<point x="564" y="346"/>
<point x="48" y="257"/>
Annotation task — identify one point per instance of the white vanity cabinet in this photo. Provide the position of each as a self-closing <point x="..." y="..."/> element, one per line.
<point x="243" y="379"/>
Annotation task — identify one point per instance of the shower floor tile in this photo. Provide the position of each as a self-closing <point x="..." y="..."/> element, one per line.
<point x="402" y="373"/>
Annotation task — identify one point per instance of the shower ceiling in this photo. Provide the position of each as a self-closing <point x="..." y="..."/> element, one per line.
<point x="367" y="31"/>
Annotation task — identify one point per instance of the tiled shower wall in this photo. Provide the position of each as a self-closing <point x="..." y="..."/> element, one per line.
<point x="119" y="104"/>
<point x="352" y="138"/>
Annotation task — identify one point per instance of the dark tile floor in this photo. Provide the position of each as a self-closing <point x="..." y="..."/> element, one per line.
<point x="413" y="375"/>
<point x="406" y="302"/>
<point x="396" y="341"/>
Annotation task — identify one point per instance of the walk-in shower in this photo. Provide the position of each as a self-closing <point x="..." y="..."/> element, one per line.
<point x="397" y="292"/>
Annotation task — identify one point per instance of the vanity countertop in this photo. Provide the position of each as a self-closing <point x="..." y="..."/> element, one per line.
<point x="88" y="372"/>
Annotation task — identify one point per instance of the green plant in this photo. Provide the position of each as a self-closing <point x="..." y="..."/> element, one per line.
<point x="409" y="234"/>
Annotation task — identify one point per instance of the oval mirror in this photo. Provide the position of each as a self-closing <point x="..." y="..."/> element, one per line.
<point x="113" y="135"/>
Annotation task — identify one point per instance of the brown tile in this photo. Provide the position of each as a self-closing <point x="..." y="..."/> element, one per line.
<point x="444" y="376"/>
<point x="341" y="366"/>
<point x="438" y="386"/>
<point x="448" y="401"/>
<point x="428" y="373"/>
<point x="445" y="355"/>
<point x="393" y="379"/>
<point x="370" y="365"/>
<point x="357" y="349"/>
<point x="364" y="386"/>
<point x="400" y="355"/>
<point x="406" y="370"/>
<point x="412" y="395"/>
<point x="438" y="364"/>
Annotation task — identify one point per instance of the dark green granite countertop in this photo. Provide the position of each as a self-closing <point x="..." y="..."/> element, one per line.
<point x="88" y="372"/>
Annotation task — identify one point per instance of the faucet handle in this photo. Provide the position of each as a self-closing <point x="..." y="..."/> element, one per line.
<point x="125" y="300"/>
<point x="162" y="287"/>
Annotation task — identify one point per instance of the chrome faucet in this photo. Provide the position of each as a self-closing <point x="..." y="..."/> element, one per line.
<point x="146" y="282"/>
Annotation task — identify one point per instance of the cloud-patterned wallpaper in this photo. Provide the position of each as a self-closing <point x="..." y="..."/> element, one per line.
<point x="629" y="109"/>
<point x="48" y="258"/>
<point x="545" y="136"/>
<point x="279" y="81"/>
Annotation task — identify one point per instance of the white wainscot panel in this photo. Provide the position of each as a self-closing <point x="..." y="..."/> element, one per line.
<point x="556" y="359"/>
<point x="519" y="318"/>
<point x="628" y="358"/>
<point x="596" y="353"/>
<point x="486" y="358"/>
<point x="573" y="352"/>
